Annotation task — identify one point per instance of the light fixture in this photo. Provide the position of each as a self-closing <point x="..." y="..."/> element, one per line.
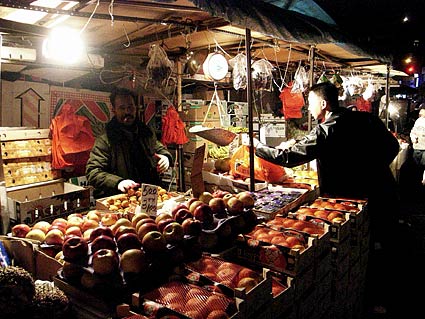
<point x="408" y="60"/>
<point x="63" y="45"/>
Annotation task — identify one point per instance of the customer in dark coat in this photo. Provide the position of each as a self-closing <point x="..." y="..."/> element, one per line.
<point x="128" y="153"/>
<point x="353" y="152"/>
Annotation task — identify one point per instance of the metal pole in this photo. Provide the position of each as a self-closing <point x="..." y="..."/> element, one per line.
<point x="250" y="109"/>
<point x="387" y="95"/>
<point x="311" y="61"/>
<point x="180" y="161"/>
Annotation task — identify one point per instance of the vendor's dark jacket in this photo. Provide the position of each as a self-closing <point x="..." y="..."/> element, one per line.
<point x="353" y="152"/>
<point x="120" y="154"/>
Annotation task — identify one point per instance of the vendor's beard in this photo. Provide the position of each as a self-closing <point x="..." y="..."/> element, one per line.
<point x="128" y="120"/>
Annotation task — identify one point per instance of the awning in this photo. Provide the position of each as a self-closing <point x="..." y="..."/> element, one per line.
<point x="282" y="24"/>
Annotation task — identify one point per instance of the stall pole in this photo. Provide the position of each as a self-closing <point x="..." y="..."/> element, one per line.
<point x="181" y="185"/>
<point x="387" y="95"/>
<point x="250" y="109"/>
<point x="311" y="62"/>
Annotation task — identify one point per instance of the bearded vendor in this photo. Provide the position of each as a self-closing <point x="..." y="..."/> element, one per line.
<point x="128" y="153"/>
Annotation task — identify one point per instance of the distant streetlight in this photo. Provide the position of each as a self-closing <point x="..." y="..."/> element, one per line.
<point x="405" y="19"/>
<point x="408" y="60"/>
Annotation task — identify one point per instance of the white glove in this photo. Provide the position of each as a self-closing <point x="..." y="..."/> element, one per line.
<point x="286" y="145"/>
<point x="126" y="184"/>
<point x="163" y="163"/>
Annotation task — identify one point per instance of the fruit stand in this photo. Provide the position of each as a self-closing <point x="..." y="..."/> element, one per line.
<point x="214" y="256"/>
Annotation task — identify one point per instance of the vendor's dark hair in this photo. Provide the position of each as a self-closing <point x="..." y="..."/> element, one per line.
<point x="328" y="92"/>
<point x="122" y="92"/>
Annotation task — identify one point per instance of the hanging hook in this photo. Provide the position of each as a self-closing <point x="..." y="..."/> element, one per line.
<point x="126" y="35"/>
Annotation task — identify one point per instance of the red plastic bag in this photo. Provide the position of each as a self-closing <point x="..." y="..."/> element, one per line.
<point x="173" y="128"/>
<point x="72" y="139"/>
<point x="292" y="103"/>
<point x="263" y="170"/>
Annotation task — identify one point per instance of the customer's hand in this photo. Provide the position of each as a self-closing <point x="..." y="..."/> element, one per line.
<point x="286" y="145"/>
<point x="163" y="163"/>
<point x="126" y="184"/>
<point x="245" y="140"/>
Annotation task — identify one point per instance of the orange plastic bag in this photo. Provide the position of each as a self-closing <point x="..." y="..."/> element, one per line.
<point x="263" y="170"/>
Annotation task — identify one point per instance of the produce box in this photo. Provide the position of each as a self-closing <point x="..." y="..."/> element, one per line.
<point x="278" y="200"/>
<point x="252" y="288"/>
<point x="275" y="256"/>
<point x="46" y="201"/>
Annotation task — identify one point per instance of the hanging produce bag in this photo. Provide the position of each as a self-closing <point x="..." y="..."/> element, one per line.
<point x="238" y="63"/>
<point x="300" y="80"/>
<point x="263" y="170"/>
<point x="159" y="67"/>
<point x="292" y="103"/>
<point x="173" y="128"/>
<point x="262" y="75"/>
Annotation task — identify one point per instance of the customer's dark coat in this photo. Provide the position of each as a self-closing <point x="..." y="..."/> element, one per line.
<point x="353" y="152"/>
<point x="118" y="154"/>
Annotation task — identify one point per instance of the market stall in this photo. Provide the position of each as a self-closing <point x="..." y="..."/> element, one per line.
<point x="243" y="248"/>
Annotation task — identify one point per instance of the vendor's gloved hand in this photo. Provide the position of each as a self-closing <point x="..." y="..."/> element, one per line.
<point x="126" y="184"/>
<point x="286" y="145"/>
<point x="163" y="163"/>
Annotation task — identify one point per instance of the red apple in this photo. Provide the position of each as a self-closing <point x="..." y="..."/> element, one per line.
<point x="121" y="222"/>
<point x="75" y="248"/>
<point x="57" y="226"/>
<point x="154" y="241"/>
<point x="123" y="230"/>
<point x="74" y="215"/>
<point x="105" y="262"/>
<point x="42" y="225"/>
<point x="36" y="234"/>
<point x="218" y="314"/>
<point x="218" y="206"/>
<point x="162" y="216"/>
<point x="235" y="206"/>
<point x="88" y="224"/>
<point x="134" y="261"/>
<point x="247" y="283"/>
<point x="74" y="230"/>
<point x="173" y="232"/>
<point x="146" y="228"/>
<point x="178" y="206"/>
<point x="204" y="213"/>
<point x="128" y="241"/>
<point x="60" y="221"/>
<point x="164" y="222"/>
<point x="227" y="197"/>
<point x="103" y="242"/>
<point x="54" y="237"/>
<point x="195" y="204"/>
<point x="93" y="215"/>
<point x="192" y="226"/>
<point x="205" y="197"/>
<point x="144" y="221"/>
<point x="191" y="200"/>
<point x="20" y="230"/>
<point x="74" y="221"/>
<point x="182" y="214"/>
<point x="87" y="233"/>
<point x="247" y="199"/>
<point x="72" y="271"/>
<point x="101" y="230"/>
<point x="137" y="217"/>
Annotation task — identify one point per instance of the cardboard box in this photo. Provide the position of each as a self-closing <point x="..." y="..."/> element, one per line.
<point x="46" y="201"/>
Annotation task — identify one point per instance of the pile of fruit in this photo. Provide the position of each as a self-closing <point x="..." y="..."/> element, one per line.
<point x="124" y="203"/>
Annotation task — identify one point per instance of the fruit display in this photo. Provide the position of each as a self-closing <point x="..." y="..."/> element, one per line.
<point x="181" y="298"/>
<point x="327" y="215"/>
<point x="226" y="273"/>
<point x="126" y="203"/>
<point x="346" y="205"/>
<point x="286" y="238"/>
<point x="309" y="227"/>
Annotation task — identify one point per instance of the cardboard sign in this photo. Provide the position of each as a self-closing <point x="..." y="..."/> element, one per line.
<point x="196" y="177"/>
<point x="149" y="199"/>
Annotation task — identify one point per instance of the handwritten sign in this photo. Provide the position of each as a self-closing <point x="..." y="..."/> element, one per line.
<point x="149" y="199"/>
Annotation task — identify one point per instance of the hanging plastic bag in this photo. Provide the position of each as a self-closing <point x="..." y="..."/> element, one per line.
<point x="159" y="67"/>
<point x="238" y="63"/>
<point x="300" y="80"/>
<point x="323" y="78"/>
<point x="263" y="170"/>
<point x="292" y="103"/>
<point x="262" y="75"/>
<point x="173" y="128"/>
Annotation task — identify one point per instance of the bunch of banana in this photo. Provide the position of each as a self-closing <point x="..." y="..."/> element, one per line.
<point x="237" y="129"/>
<point x="218" y="152"/>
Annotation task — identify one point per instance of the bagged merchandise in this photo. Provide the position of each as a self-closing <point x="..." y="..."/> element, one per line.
<point x="292" y="102"/>
<point x="263" y="170"/>
<point x="300" y="83"/>
<point x="238" y="63"/>
<point x="159" y="67"/>
<point x="262" y="75"/>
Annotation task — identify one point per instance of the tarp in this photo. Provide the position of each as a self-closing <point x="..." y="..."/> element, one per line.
<point x="282" y="24"/>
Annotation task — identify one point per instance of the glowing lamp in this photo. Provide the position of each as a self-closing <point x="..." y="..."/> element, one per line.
<point x="63" y="45"/>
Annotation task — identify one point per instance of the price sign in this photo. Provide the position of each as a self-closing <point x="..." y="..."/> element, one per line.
<point x="149" y="199"/>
